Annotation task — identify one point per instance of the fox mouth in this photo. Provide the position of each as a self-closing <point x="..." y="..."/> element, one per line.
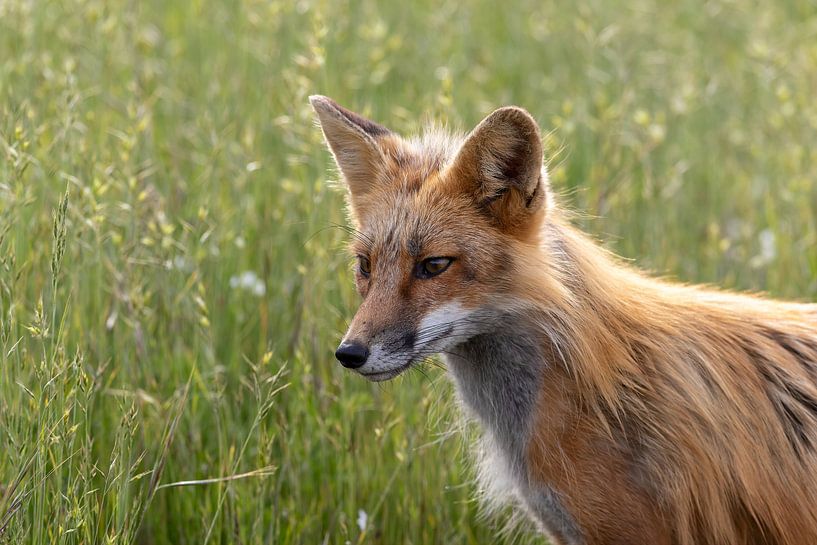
<point x="388" y="374"/>
<point x="381" y="376"/>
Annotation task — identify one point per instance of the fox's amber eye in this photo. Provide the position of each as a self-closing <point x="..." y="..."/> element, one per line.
<point x="364" y="266"/>
<point x="432" y="266"/>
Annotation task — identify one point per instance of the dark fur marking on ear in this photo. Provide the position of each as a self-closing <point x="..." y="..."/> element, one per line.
<point x="533" y="195"/>
<point x="366" y="125"/>
<point x="512" y="167"/>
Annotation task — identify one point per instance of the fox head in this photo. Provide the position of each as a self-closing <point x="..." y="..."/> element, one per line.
<point x="440" y="224"/>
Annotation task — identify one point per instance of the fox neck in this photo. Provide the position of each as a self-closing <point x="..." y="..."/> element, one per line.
<point x="528" y="368"/>
<point x="546" y="334"/>
<point x="548" y="342"/>
<point x="499" y="376"/>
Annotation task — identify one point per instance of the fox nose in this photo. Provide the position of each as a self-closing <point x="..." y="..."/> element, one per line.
<point x="352" y="354"/>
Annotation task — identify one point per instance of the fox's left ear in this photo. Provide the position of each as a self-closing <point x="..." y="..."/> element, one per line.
<point x="354" y="142"/>
<point x="500" y="166"/>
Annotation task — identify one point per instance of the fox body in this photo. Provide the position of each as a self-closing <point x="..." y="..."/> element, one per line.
<point x="616" y="408"/>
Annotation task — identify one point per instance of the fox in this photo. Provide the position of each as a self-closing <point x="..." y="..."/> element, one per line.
<point x="616" y="408"/>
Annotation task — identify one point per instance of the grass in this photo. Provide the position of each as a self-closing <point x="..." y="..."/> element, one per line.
<point x="172" y="281"/>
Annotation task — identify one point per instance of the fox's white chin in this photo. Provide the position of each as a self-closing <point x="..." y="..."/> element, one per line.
<point x="382" y="376"/>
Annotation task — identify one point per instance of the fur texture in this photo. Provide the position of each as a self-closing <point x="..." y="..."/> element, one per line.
<point x="618" y="409"/>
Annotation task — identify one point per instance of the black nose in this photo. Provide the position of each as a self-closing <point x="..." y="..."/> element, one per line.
<point x="352" y="354"/>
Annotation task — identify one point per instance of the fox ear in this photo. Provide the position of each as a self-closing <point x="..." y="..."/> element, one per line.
<point x="353" y="140"/>
<point x="500" y="166"/>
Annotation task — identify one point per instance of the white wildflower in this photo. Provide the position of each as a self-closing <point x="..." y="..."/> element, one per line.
<point x="110" y="322"/>
<point x="768" y="245"/>
<point x="362" y="519"/>
<point x="180" y="263"/>
<point x="250" y="282"/>
<point x="768" y="248"/>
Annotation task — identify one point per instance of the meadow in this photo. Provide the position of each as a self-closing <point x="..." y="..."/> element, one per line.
<point x="173" y="279"/>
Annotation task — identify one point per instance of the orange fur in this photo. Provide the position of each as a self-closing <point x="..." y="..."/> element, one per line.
<point x="717" y="392"/>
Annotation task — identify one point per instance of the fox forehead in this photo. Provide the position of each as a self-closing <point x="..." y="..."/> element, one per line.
<point x="419" y="158"/>
<point x="419" y="221"/>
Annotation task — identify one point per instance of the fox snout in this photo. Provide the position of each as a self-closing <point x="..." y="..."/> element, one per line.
<point x="381" y="353"/>
<point x="377" y="354"/>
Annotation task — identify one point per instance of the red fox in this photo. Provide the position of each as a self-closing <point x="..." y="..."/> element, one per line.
<point x="617" y="409"/>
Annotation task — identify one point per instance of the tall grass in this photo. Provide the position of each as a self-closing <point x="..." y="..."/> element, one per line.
<point x="172" y="279"/>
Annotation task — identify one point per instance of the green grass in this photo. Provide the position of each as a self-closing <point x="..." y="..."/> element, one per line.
<point x="181" y="134"/>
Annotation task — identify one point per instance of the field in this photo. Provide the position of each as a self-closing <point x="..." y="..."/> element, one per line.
<point x="173" y="279"/>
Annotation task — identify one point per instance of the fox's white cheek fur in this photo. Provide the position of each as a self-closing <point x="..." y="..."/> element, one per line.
<point x="443" y="326"/>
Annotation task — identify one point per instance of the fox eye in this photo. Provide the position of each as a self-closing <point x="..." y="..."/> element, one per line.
<point x="432" y="266"/>
<point x="364" y="266"/>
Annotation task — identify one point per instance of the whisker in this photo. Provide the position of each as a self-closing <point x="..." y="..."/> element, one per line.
<point x="357" y="234"/>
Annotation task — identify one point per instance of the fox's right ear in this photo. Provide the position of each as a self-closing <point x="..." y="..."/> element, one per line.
<point x="353" y="140"/>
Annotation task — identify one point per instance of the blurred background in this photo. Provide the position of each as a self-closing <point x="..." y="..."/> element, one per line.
<point x="173" y="280"/>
